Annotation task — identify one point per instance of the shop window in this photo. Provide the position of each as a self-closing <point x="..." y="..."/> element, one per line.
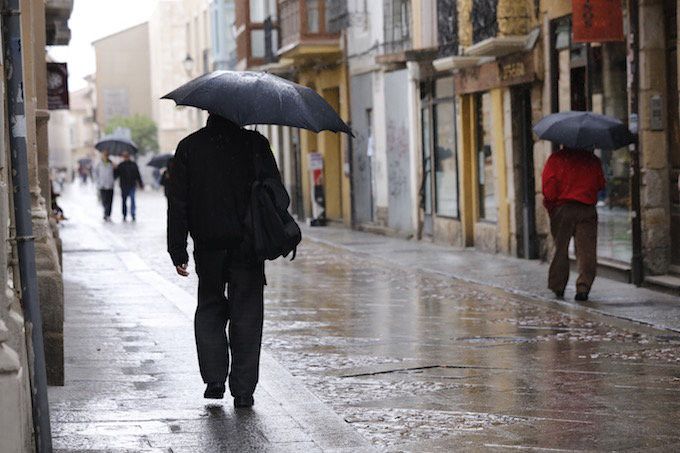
<point x="486" y="182"/>
<point x="440" y="159"/>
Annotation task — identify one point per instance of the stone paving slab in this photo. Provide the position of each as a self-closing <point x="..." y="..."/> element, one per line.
<point x="525" y="277"/>
<point x="132" y="382"/>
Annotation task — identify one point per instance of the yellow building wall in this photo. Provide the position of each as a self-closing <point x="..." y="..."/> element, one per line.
<point x="332" y="85"/>
<point x="468" y="166"/>
<point x="501" y="170"/>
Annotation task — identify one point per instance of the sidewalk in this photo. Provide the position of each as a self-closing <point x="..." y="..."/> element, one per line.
<point x="131" y="378"/>
<point x="525" y="277"/>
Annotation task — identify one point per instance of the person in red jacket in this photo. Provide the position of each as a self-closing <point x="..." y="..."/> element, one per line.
<point x="572" y="179"/>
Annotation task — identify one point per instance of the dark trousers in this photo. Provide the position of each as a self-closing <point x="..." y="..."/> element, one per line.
<point x="242" y="310"/>
<point x="129" y="192"/>
<point x="580" y="222"/>
<point x="107" y="200"/>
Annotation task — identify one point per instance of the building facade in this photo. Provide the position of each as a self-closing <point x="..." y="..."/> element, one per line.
<point x="42" y="23"/>
<point x="123" y="74"/>
<point x="442" y="96"/>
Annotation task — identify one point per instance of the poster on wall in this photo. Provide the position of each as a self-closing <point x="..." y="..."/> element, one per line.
<point x="597" y="20"/>
<point x="57" y="86"/>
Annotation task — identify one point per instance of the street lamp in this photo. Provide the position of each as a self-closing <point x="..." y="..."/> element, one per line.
<point x="188" y="63"/>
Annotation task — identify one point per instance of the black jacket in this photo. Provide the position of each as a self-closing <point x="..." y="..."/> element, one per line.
<point x="209" y="191"/>
<point x="128" y="173"/>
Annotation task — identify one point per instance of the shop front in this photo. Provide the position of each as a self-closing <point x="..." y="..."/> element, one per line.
<point x="593" y="76"/>
<point x="496" y="190"/>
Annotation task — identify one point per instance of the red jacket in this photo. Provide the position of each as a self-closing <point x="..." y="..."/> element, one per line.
<point x="572" y="175"/>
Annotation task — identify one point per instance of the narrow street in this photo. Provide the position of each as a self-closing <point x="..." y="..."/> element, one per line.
<point x="361" y="352"/>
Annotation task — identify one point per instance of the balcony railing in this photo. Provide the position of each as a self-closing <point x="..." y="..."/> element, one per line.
<point x="307" y="20"/>
<point x="397" y="25"/>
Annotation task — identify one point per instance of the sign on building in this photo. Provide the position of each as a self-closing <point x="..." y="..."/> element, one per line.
<point x="597" y="20"/>
<point x="57" y="86"/>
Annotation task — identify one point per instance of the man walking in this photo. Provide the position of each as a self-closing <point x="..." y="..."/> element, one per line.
<point x="128" y="174"/>
<point x="104" y="177"/>
<point x="572" y="179"/>
<point x="208" y="197"/>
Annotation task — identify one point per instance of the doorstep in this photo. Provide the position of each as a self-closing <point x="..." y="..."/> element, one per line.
<point x="669" y="283"/>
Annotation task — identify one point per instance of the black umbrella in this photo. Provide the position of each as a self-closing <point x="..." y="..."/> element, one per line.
<point x="116" y="144"/>
<point x="160" y="161"/>
<point x="584" y="130"/>
<point x="85" y="161"/>
<point x="247" y="98"/>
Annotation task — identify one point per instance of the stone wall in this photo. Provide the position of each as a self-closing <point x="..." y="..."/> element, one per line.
<point x="654" y="159"/>
<point x="15" y="399"/>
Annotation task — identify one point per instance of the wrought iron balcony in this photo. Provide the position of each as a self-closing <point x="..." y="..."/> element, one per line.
<point x="315" y="22"/>
<point x="484" y="20"/>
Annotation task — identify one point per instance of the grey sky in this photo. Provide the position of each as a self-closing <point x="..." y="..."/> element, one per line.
<point x="91" y="20"/>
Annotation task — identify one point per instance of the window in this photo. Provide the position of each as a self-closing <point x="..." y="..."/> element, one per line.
<point x="257" y="44"/>
<point x="261" y="9"/>
<point x="446" y="177"/>
<point x="486" y="183"/>
<point x="397" y="25"/>
<point x="313" y="16"/>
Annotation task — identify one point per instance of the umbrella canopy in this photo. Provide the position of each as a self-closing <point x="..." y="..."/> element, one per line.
<point x="584" y="130"/>
<point x="247" y="98"/>
<point x="85" y="161"/>
<point x="116" y="144"/>
<point x="160" y="161"/>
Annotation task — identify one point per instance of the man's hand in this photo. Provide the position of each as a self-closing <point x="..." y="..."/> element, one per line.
<point x="182" y="270"/>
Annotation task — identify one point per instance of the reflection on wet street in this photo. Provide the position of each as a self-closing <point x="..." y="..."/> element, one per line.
<point x="413" y="361"/>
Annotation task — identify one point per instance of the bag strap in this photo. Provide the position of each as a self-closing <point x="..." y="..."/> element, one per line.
<point x="257" y="160"/>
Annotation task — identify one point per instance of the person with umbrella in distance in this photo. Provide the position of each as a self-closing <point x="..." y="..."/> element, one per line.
<point x="103" y="175"/>
<point x="572" y="178"/>
<point x="127" y="172"/>
<point x="213" y="174"/>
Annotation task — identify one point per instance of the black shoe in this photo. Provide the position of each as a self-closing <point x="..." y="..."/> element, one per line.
<point x="244" y="401"/>
<point x="214" y="391"/>
<point x="559" y="294"/>
<point x="581" y="297"/>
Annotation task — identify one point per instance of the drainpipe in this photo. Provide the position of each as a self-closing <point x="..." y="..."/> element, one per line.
<point x="11" y="23"/>
<point x="635" y="148"/>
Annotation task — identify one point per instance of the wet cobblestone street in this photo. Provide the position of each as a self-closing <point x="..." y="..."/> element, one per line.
<point x="389" y="355"/>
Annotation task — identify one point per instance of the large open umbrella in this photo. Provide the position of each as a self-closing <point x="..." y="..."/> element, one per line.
<point x="116" y="144"/>
<point x="160" y="161"/>
<point x="247" y="98"/>
<point x="584" y="130"/>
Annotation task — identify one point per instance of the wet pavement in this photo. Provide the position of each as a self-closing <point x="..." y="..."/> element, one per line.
<point x="363" y="350"/>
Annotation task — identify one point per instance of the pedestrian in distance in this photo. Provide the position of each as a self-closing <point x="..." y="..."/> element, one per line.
<point x="127" y="172"/>
<point x="103" y="175"/>
<point x="211" y="178"/>
<point x="164" y="180"/>
<point x="572" y="179"/>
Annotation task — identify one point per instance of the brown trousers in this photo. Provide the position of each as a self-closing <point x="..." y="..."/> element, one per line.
<point x="579" y="221"/>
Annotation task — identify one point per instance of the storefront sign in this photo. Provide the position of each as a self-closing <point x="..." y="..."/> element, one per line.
<point x="597" y="20"/>
<point x="513" y="70"/>
<point x="510" y="70"/>
<point x="57" y="86"/>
